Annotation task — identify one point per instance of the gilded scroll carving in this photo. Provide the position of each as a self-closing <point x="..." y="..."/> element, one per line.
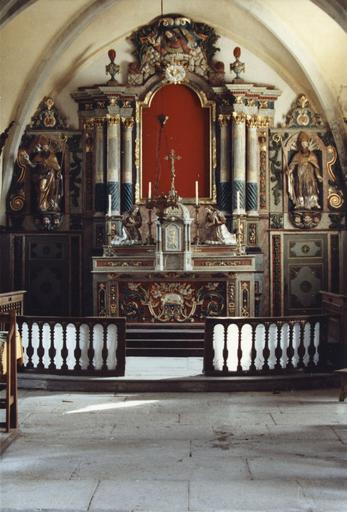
<point x="171" y="301"/>
<point x="172" y="44"/>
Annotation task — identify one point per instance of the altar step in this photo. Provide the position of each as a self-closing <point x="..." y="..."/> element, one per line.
<point x="165" y="340"/>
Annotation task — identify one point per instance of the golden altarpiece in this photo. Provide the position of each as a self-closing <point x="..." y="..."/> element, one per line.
<point x="177" y="198"/>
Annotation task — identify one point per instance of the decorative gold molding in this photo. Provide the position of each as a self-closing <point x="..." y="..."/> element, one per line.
<point x="99" y="121"/>
<point x="263" y="122"/>
<point x="252" y="121"/>
<point x="331" y="159"/>
<point x="116" y="119"/>
<point x="239" y="117"/>
<point x="223" y="120"/>
<point x="128" y="122"/>
<point x="335" y="199"/>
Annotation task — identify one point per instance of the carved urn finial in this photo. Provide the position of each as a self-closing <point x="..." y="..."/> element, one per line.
<point x="237" y="66"/>
<point x="112" y="69"/>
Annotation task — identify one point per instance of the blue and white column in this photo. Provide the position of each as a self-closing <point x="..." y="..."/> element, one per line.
<point x="113" y="164"/>
<point x="99" y="180"/>
<point x="127" y="167"/>
<point x="224" y="189"/>
<point x="252" y="167"/>
<point x="239" y="162"/>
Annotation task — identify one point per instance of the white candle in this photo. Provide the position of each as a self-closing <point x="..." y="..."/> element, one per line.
<point x="149" y="190"/>
<point x="197" y="193"/>
<point x="238" y="202"/>
<point x="109" y="205"/>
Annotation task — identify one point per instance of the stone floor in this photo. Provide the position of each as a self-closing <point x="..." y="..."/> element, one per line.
<point x="202" y="452"/>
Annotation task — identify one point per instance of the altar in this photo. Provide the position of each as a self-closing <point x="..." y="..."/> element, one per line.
<point x="174" y="277"/>
<point x="127" y="284"/>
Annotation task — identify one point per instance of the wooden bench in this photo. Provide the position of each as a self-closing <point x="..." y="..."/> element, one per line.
<point x="9" y="373"/>
<point x="343" y="380"/>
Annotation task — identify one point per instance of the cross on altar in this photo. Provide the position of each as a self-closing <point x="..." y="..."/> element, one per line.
<point x="172" y="157"/>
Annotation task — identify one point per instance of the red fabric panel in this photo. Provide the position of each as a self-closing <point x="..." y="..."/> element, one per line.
<point x="186" y="131"/>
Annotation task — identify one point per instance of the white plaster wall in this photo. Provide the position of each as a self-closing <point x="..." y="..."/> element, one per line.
<point x="49" y="47"/>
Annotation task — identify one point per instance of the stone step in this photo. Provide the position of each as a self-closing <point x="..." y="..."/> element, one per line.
<point x="165" y="340"/>
<point x="160" y="343"/>
<point x="164" y="352"/>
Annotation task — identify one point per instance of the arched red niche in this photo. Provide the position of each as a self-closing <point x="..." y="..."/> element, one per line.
<point x="186" y="131"/>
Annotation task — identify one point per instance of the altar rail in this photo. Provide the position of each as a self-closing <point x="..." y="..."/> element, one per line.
<point x="263" y="345"/>
<point x="73" y="345"/>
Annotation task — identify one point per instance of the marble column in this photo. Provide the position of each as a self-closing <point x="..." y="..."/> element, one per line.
<point x="224" y="188"/>
<point x="99" y="181"/>
<point x="113" y="163"/>
<point x="127" y="190"/>
<point x="239" y="161"/>
<point x="252" y="167"/>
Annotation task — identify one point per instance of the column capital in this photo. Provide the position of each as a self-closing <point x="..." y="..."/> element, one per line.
<point x="88" y="124"/>
<point x="223" y="120"/>
<point x="115" y="119"/>
<point x="239" y="117"/>
<point x="99" y="121"/>
<point x="252" y="121"/>
<point x="128" y="122"/>
<point x="263" y="122"/>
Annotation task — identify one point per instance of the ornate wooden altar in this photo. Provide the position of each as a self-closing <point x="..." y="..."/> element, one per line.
<point x="219" y="284"/>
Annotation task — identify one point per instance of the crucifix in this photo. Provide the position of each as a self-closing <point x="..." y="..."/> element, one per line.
<point x="172" y="157"/>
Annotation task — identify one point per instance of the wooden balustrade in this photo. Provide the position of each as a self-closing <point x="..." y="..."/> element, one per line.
<point x="73" y="345"/>
<point x="249" y="346"/>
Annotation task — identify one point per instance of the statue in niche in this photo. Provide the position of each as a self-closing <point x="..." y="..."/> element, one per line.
<point x="216" y="230"/>
<point x="132" y="221"/>
<point x="304" y="176"/>
<point x="48" y="178"/>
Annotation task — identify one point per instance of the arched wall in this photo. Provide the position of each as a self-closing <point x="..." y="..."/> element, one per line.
<point x="79" y="30"/>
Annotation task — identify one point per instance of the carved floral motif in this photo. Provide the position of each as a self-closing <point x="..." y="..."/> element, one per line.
<point x="301" y="115"/>
<point x="172" y="301"/>
<point x="172" y="44"/>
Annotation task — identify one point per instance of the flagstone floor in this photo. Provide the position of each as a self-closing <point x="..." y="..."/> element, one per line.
<point x="168" y="452"/>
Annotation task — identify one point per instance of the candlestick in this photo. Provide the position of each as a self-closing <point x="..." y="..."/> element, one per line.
<point x="197" y="193"/>
<point x="149" y="190"/>
<point x="109" y="205"/>
<point x="238" y="202"/>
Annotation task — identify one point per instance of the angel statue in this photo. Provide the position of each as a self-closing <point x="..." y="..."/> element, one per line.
<point x="132" y="221"/>
<point x="217" y="231"/>
<point x="304" y="175"/>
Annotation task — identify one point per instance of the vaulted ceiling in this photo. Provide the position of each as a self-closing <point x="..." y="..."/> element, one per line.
<point x="44" y="43"/>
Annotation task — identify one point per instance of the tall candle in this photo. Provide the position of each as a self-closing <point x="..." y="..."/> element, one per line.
<point x="109" y="205"/>
<point x="238" y="202"/>
<point x="197" y="193"/>
<point x="149" y="190"/>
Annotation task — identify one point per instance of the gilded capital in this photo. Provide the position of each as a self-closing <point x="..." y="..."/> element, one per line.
<point x="239" y="99"/>
<point x="263" y="104"/>
<point x="263" y="122"/>
<point x="99" y="121"/>
<point x="89" y="124"/>
<point x="113" y="119"/>
<point x="239" y="117"/>
<point x="252" y="121"/>
<point x="223" y="120"/>
<point x="128" y="122"/>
